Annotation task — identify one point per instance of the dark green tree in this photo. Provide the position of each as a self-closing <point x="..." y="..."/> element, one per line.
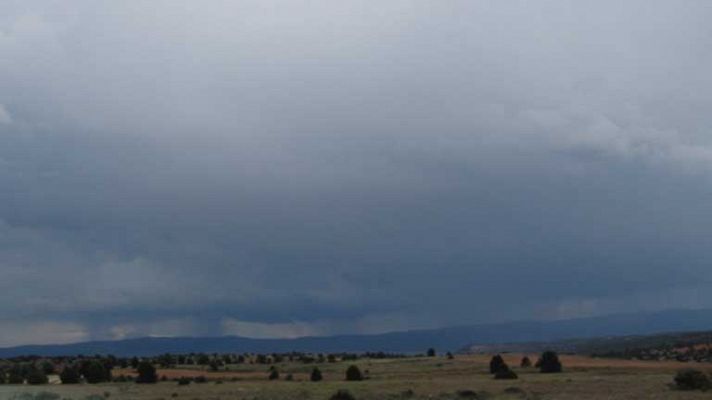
<point x="549" y="363"/>
<point x="36" y="376"/>
<point x="95" y="372"/>
<point x="496" y="363"/>
<point x="526" y="362"/>
<point x="315" y="375"/>
<point x="353" y="373"/>
<point x="146" y="373"/>
<point x="70" y="375"/>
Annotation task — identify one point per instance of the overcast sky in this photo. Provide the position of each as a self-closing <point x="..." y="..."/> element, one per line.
<point x="285" y="168"/>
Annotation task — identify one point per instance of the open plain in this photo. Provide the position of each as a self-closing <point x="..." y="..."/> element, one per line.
<point x="464" y="377"/>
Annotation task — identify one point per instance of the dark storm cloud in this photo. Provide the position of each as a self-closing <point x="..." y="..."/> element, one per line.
<point x="288" y="168"/>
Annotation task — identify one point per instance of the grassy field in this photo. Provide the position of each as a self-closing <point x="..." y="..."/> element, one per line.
<point x="414" y="378"/>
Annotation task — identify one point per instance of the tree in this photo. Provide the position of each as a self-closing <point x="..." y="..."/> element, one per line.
<point x="431" y="352"/>
<point x="36" y="376"/>
<point x="47" y="367"/>
<point x="353" y="373"/>
<point x="315" y="375"/>
<point x="449" y="356"/>
<point x="274" y="375"/>
<point x="70" y="375"/>
<point x="94" y="372"/>
<point x="146" y="373"/>
<point x="549" y="363"/>
<point x="505" y="373"/>
<point x="214" y="365"/>
<point x="14" y="375"/>
<point x="526" y="362"/>
<point x="496" y="363"/>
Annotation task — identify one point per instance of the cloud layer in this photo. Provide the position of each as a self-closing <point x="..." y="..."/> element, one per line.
<point x="279" y="168"/>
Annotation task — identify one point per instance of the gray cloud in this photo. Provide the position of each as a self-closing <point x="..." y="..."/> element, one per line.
<point x="263" y="167"/>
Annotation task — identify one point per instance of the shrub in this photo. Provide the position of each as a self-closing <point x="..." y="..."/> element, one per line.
<point x="505" y="373"/>
<point x="526" y="362"/>
<point x="315" y="375"/>
<point x="274" y="375"/>
<point x="496" y="364"/>
<point x="182" y="381"/>
<point x="549" y="363"/>
<point x="200" y="379"/>
<point x="467" y="394"/>
<point x="94" y="372"/>
<point x="353" y="374"/>
<point x="449" y="356"/>
<point x="36" y="376"/>
<point x="431" y="352"/>
<point x="70" y="375"/>
<point x="342" y="394"/>
<point x="692" y="379"/>
<point x="14" y="375"/>
<point x="47" y="367"/>
<point x="146" y="373"/>
<point x="289" y="377"/>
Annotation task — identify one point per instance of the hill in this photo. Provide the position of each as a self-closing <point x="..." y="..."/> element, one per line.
<point x="444" y="339"/>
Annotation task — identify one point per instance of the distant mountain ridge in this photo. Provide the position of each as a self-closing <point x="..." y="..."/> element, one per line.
<point x="416" y="341"/>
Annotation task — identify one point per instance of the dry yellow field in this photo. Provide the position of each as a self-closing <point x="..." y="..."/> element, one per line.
<point x="415" y="378"/>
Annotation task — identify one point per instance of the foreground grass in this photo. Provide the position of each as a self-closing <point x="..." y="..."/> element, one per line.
<point x="465" y="377"/>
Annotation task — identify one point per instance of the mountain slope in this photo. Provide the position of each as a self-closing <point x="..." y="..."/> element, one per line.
<point x="451" y="339"/>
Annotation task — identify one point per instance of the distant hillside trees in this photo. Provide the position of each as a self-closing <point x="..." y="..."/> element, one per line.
<point x="549" y="363"/>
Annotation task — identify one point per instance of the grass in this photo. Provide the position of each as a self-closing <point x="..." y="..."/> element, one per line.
<point x="465" y="377"/>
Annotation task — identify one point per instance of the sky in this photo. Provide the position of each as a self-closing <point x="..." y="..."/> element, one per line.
<point x="286" y="168"/>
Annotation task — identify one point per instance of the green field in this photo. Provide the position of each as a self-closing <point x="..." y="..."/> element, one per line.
<point x="414" y="378"/>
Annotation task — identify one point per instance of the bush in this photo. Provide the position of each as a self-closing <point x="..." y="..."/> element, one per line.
<point x="526" y="362"/>
<point x="467" y="394"/>
<point x="549" y="363"/>
<point x="496" y="364"/>
<point x="289" y="377"/>
<point x="94" y="372"/>
<point x="182" y="381"/>
<point x="315" y="375"/>
<point x="342" y="395"/>
<point x="70" y="375"/>
<point x="449" y="356"/>
<point x="14" y="375"/>
<point x="200" y="379"/>
<point x="505" y="373"/>
<point x="274" y="375"/>
<point x="431" y="352"/>
<point x="146" y="373"/>
<point x="353" y="374"/>
<point x="692" y="379"/>
<point x="36" y="376"/>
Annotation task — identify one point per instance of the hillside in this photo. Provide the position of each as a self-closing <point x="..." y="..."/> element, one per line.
<point x="445" y="339"/>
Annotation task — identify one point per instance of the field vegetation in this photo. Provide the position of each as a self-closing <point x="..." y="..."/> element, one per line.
<point x="348" y="376"/>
